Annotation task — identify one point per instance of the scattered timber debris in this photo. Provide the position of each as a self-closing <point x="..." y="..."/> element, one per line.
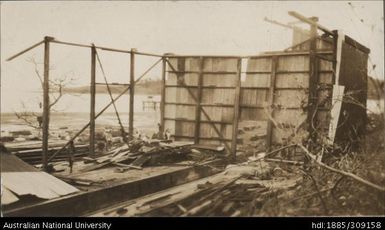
<point x="239" y="190"/>
<point x="139" y="153"/>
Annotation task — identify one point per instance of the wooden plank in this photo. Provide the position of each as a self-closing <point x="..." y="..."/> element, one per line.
<point x="205" y="138"/>
<point x="274" y="64"/>
<point x="259" y="65"/>
<point x="226" y="81"/>
<point x="310" y="22"/>
<point x="202" y="121"/>
<point x="190" y="79"/>
<point x="292" y="80"/>
<point x="237" y="100"/>
<point x="293" y="63"/>
<point x="26" y="50"/>
<point x="203" y="72"/>
<point x="198" y="102"/>
<point x="93" y="96"/>
<point x="208" y="147"/>
<point x="254" y="97"/>
<point x="219" y="64"/>
<point x="108" y="49"/>
<point x="260" y="56"/>
<point x="191" y="65"/>
<point x="132" y="93"/>
<point x="185" y="112"/>
<point x="337" y="98"/>
<point x="46" y="105"/>
<point x="218" y="96"/>
<point x="253" y="114"/>
<point x="203" y="87"/>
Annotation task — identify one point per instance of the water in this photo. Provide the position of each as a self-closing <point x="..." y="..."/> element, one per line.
<point x="72" y="111"/>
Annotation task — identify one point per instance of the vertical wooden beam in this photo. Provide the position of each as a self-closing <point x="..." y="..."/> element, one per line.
<point x="237" y="99"/>
<point x="181" y="67"/>
<point x="335" y="44"/>
<point x="132" y="93"/>
<point x="46" y="106"/>
<point x="313" y="81"/>
<point x="93" y="96"/>
<point x="198" y="107"/>
<point x="274" y="64"/>
<point x="163" y="96"/>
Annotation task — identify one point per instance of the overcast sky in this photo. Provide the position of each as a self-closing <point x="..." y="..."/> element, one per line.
<point x="182" y="27"/>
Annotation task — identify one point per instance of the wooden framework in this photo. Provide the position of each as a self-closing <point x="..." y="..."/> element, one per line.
<point x="207" y="101"/>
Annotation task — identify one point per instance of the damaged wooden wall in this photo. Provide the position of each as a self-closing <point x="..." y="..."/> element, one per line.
<point x="200" y="98"/>
<point x="283" y="95"/>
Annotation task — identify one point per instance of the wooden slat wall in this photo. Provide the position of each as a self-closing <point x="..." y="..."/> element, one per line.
<point x="285" y="99"/>
<point x="219" y="77"/>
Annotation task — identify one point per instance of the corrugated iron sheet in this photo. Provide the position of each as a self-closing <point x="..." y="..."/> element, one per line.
<point x="18" y="178"/>
<point x="7" y="197"/>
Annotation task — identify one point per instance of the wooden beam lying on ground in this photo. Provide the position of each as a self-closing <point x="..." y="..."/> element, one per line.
<point x="348" y="174"/>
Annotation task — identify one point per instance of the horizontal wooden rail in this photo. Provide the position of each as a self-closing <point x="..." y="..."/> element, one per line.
<point x="202" y="121"/>
<point x="204" y="138"/>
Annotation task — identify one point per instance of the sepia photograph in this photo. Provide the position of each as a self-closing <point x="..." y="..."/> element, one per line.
<point x="192" y="109"/>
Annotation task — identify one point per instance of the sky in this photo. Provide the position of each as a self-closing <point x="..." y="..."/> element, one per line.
<point x="181" y="27"/>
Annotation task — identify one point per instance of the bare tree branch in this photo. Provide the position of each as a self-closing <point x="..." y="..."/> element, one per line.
<point x="57" y="86"/>
<point x="28" y="118"/>
<point x="348" y="174"/>
<point x="33" y="61"/>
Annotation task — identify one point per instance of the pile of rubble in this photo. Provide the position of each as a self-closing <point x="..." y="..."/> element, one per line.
<point x="138" y="153"/>
<point x="239" y="190"/>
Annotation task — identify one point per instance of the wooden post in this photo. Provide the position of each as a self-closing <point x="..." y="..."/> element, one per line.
<point x="46" y="106"/>
<point x="237" y="99"/>
<point x="198" y="107"/>
<point x="313" y="80"/>
<point x="93" y="95"/>
<point x="163" y="95"/>
<point x="269" y="134"/>
<point x="132" y="93"/>
<point x="335" y="44"/>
